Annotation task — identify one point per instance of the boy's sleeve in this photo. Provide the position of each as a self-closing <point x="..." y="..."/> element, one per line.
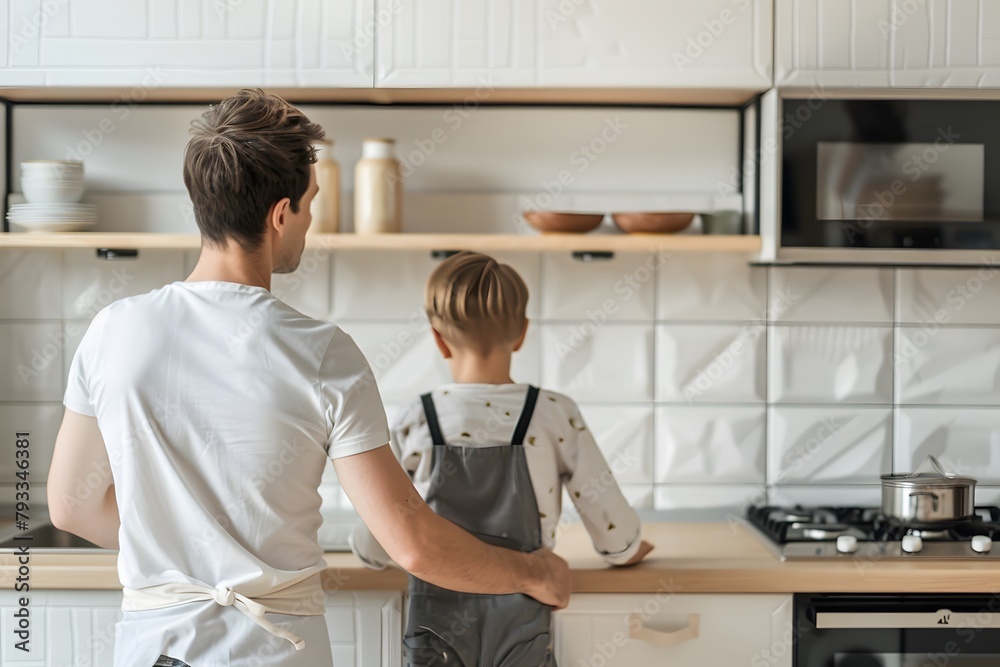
<point x="362" y="542"/>
<point x="613" y="524"/>
<point x="367" y="548"/>
<point x="355" y="416"/>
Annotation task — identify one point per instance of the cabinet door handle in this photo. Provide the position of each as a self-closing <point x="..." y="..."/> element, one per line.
<point x="638" y="630"/>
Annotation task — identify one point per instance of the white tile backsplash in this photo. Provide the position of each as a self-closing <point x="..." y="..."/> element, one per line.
<point x="90" y="283"/>
<point x="696" y="287"/>
<point x="710" y="363"/>
<point x="308" y="288"/>
<point x="939" y="365"/>
<point x="830" y="294"/>
<point x="73" y="333"/>
<point x="710" y="444"/>
<point x="729" y="499"/>
<point x="31" y="285"/>
<point x="965" y="440"/>
<point x="829" y="444"/>
<point x="607" y="290"/>
<point x="41" y="422"/>
<point x="639" y="496"/>
<point x="407" y="363"/>
<point x="590" y="363"/>
<point x="988" y="495"/>
<point x="625" y="436"/>
<point x="403" y="356"/>
<point x="31" y="366"/>
<point x="949" y="296"/>
<point x="826" y="495"/>
<point x="830" y="364"/>
<point x="397" y="278"/>
<point x="389" y="285"/>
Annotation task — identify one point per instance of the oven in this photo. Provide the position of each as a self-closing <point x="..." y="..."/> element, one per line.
<point x="897" y="630"/>
<point x="893" y="179"/>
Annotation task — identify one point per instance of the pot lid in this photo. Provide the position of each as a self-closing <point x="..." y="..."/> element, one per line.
<point x="927" y="479"/>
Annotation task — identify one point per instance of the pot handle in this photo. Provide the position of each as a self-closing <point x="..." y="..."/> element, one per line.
<point x="933" y="496"/>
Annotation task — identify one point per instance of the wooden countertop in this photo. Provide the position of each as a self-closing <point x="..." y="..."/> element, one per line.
<point x="689" y="558"/>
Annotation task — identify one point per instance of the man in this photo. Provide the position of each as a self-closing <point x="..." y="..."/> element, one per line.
<point x="214" y="406"/>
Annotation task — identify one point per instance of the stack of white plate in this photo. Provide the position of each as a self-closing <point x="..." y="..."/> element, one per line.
<point x="52" y="189"/>
<point x="52" y="217"/>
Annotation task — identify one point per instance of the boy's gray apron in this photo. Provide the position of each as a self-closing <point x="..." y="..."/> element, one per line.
<point x="488" y="492"/>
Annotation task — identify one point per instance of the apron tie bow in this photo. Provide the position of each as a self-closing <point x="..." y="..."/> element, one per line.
<point x="224" y="596"/>
<point x="297" y="599"/>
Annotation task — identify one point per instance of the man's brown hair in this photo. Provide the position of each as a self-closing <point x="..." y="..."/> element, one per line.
<point x="247" y="153"/>
<point x="474" y="301"/>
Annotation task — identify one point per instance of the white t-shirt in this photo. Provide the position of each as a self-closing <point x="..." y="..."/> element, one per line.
<point x="219" y="405"/>
<point x="558" y="447"/>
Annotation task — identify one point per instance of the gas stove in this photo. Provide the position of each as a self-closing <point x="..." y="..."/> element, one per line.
<point x="795" y="533"/>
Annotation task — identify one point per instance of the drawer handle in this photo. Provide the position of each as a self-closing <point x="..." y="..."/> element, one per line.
<point x="638" y="630"/>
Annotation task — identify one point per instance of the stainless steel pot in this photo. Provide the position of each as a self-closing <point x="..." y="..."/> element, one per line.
<point x="928" y="497"/>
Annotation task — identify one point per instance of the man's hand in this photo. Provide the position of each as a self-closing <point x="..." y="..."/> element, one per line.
<point x="553" y="575"/>
<point x="434" y="549"/>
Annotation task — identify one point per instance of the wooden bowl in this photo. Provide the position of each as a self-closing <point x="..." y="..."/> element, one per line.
<point x="652" y="223"/>
<point x="571" y="223"/>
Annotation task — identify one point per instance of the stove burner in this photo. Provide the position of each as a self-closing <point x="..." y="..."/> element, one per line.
<point x="805" y="532"/>
<point x="790" y="517"/>
<point x="929" y="534"/>
<point x="822" y="531"/>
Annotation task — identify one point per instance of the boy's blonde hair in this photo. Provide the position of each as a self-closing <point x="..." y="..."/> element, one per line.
<point x="474" y="301"/>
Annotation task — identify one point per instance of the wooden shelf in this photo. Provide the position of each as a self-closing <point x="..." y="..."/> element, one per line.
<point x="482" y="242"/>
<point x="98" y="240"/>
<point x="726" y="97"/>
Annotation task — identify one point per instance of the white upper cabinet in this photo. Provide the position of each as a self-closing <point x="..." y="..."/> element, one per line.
<point x="888" y="43"/>
<point x="574" y="43"/>
<point x="177" y="43"/>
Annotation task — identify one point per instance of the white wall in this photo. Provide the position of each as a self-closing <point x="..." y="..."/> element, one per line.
<point x="468" y="170"/>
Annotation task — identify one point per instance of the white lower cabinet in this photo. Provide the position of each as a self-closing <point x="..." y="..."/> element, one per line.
<point x="78" y="628"/>
<point x="66" y="628"/>
<point x="679" y="630"/>
<point x="366" y="628"/>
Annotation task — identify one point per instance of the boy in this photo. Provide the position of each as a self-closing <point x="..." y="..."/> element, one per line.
<point x="492" y="456"/>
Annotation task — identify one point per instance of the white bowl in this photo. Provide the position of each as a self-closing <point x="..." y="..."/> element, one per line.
<point x="38" y="191"/>
<point x="59" y="166"/>
<point x="53" y="182"/>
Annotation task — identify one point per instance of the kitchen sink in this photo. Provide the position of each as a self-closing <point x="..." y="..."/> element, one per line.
<point x="48" y="537"/>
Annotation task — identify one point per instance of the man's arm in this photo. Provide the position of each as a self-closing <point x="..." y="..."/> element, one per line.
<point x="435" y="549"/>
<point x="76" y="504"/>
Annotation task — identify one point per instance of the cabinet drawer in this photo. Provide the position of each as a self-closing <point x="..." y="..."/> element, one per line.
<point x="677" y="630"/>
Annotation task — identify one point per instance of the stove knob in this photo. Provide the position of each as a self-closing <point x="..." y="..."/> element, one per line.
<point x="981" y="544"/>
<point x="912" y="544"/>
<point x="847" y="544"/>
